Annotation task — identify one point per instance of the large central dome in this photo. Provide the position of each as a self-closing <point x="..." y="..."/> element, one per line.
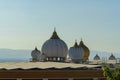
<point x="55" y="49"/>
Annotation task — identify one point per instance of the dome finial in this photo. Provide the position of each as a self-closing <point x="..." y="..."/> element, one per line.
<point x="54" y="35"/>
<point x="76" y="45"/>
<point x="75" y="40"/>
<point x="35" y="47"/>
<point x="81" y="43"/>
<point x="81" y="38"/>
<point x="54" y="29"/>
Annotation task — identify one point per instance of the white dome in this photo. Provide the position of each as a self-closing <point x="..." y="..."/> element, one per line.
<point x="76" y="53"/>
<point x="35" y="55"/>
<point x="55" y="47"/>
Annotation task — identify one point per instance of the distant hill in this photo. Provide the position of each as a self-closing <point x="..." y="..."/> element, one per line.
<point x="103" y="54"/>
<point x="10" y="55"/>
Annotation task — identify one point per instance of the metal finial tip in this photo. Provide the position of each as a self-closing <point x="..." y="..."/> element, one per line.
<point x="81" y="39"/>
<point x="75" y="40"/>
<point x="36" y="47"/>
<point x="54" y="28"/>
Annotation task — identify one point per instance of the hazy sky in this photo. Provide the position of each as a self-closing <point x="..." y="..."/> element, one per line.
<point x="25" y="24"/>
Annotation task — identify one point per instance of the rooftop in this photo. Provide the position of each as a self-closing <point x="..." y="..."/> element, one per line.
<point x="43" y="65"/>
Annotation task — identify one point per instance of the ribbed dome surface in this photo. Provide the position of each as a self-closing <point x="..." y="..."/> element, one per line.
<point x="55" y="47"/>
<point x="35" y="55"/>
<point x="86" y="50"/>
<point x="76" y="53"/>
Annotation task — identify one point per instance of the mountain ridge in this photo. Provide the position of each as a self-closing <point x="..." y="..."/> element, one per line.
<point x="21" y="55"/>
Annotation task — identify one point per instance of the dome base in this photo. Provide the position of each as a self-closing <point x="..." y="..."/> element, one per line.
<point x="77" y="60"/>
<point x="55" y="59"/>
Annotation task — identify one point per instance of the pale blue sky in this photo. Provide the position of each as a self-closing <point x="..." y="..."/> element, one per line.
<point x="25" y="24"/>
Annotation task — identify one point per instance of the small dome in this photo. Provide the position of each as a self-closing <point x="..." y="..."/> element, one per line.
<point x="112" y="57"/>
<point x="35" y="55"/>
<point x="55" y="47"/>
<point x="76" y="53"/>
<point x="96" y="57"/>
<point x="86" y="50"/>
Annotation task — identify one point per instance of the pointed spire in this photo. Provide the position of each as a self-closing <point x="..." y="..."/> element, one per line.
<point x="112" y="57"/>
<point x="36" y="48"/>
<point x="76" y="45"/>
<point x="81" y="40"/>
<point x="81" y="43"/>
<point x="96" y="57"/>
<point x="76" y="41"/>
<point x="54" y="29"/>
<point x="54" y="35"/>
<point x="96" y="54"/>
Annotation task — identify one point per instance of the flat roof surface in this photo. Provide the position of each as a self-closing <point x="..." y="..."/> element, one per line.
<point x="43" y="65"/>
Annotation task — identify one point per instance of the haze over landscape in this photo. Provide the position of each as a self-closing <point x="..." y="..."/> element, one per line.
<point x="25" y="24"/>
